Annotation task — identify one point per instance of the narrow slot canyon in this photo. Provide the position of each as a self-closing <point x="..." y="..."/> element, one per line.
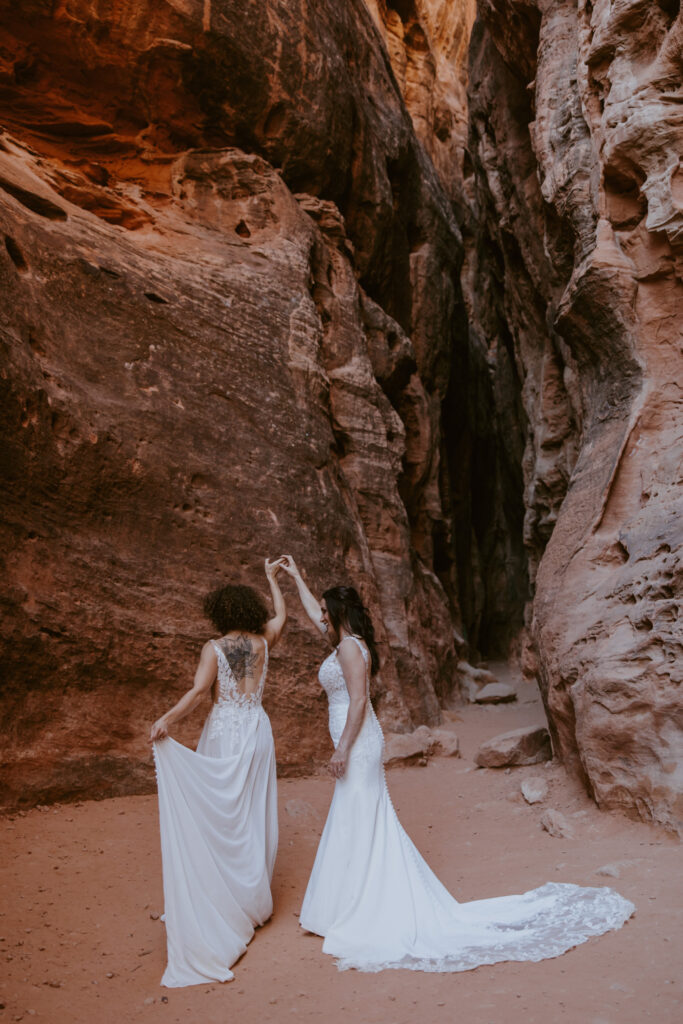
<point x="393" y="286"/>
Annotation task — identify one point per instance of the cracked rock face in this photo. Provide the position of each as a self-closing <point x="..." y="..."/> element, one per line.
<point x="216" y="347"/>
<point x="573" y="278"/>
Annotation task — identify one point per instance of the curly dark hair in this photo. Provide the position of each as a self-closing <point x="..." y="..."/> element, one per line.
<point x="236" y="607"/>
<point x="345" y="608"/>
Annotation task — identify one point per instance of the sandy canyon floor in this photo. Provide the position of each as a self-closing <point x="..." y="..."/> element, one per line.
<point x="81" y="941"/>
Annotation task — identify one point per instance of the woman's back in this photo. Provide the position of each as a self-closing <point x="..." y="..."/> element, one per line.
<point x="246" y="654"/>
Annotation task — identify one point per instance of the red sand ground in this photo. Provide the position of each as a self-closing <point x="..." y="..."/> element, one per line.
<point x="81" y="889"/>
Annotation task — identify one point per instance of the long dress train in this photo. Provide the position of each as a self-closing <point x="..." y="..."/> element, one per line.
<point x="218" y="822"/>
<point x="378" y="904"/>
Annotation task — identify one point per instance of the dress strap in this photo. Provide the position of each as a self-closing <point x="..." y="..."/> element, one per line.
<point x="363" y="651"/>
<point x="262" y="680"/>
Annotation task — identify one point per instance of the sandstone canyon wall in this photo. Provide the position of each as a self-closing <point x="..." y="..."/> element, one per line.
<point x="217" y="227"/>
<point x="232" y="324"/>
<point x="573" y="278"/>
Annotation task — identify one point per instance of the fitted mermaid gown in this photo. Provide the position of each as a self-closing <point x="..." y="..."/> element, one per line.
<point x="377" y="903"/>
<point x="218" y="821"/>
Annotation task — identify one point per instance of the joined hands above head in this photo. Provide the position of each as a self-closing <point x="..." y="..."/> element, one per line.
<point x="273" y="567"/>
<point x="289" y="565"/>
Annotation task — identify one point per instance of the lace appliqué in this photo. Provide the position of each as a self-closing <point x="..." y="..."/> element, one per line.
<point x="234" y="710"/>
<point x="566" y="916"/>
<point x="369" y="743"/>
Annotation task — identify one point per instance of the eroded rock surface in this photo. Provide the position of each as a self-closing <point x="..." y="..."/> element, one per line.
<point x="527" y="745"/>
<point x="573" y="277"/>
<point x="427" y="43"/>
<point x="217" y="345"/>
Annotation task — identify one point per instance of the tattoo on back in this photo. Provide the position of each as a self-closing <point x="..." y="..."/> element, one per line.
<point x="241" y="657"/>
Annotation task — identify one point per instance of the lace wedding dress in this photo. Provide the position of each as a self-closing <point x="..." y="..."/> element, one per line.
<point x="378" y="904"/>
<point x="218" y="820"/>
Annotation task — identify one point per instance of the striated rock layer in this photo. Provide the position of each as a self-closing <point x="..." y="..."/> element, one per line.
<point x="217" y="344"/>
<point x="574" y="282"/>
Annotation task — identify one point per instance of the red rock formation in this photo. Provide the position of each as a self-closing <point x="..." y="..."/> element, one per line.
<point x="427" y="42"/>
<point x="574" y="284"/>
<point x="216" y="346"/>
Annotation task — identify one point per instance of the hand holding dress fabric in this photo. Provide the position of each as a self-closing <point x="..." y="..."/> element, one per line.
<point x="218" y="804"/>
<point x="159" y="731"/>
<point x="203" y="680"/>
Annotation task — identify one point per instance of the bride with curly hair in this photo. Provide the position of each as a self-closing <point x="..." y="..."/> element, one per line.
<point x="218" y="804"/>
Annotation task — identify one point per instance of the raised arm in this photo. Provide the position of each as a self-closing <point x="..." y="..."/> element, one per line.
<point x="309" y="602"/>
<point x="353" y="666"/>
<point x="274" y="626"/>
<point x="203" y="680"/>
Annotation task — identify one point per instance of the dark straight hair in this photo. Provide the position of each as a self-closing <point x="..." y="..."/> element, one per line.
<point x="345" y="608"/>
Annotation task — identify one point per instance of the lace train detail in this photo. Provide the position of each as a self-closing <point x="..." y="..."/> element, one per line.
<point x="575" y="915"/>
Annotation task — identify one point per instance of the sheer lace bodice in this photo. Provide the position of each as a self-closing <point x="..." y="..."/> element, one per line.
<point x="228" y="687"/>
<point x="369" y="743"/>
<point x="235" y="708"/>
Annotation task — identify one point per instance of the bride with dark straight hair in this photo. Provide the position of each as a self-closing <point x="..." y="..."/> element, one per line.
<point x="345" y="610"/>
<point x="371" y="895"/>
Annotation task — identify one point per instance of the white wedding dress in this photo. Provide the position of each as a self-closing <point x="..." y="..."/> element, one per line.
<point x="378" y="904"/>
<point x="218" y="821"/>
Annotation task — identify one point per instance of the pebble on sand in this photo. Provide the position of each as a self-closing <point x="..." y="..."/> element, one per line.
<point x="609" y="870"/>
<point x="534" y="790"/>
<point x="555" y="824"/>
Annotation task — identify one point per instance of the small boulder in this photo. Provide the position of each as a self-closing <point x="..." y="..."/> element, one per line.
<point x="529" y="745"/>
<point x="472" y="679"/>
<point x="555" y="824"/>
<point x="496" y="693"/>
<point x="447" y="743"/>
<point x="534" y="790"/>
<point x="408" y="747"/>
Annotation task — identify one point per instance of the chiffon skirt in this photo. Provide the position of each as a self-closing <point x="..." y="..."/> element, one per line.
<point x="218" y="823"/>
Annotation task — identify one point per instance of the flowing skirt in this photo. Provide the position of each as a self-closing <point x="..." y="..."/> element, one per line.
<point x="218" y="822"/>
<point x="378" y="904"/>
